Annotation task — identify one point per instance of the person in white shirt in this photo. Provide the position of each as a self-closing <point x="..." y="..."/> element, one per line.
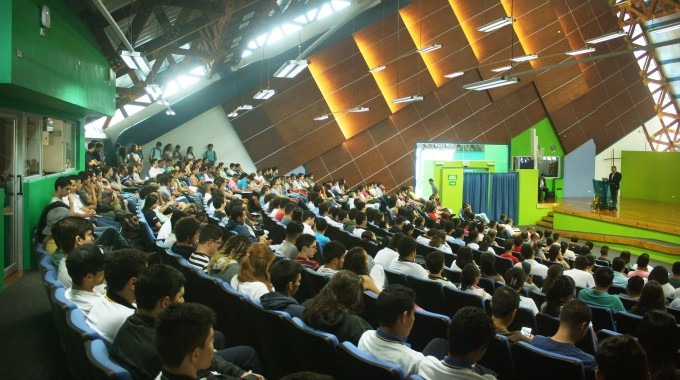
<point x="435" y="266"/>
<point x="155" y="170"/>
<point x="406" y="262"/>
<point x="470" y="332"/>
<point x="253" y="277"/>
<point x="69" y="233"/>
<point x="396" y="309"/>
<point x="388" y="254"/>
<point x="515" y="278"/>
<point x="308" y="220"/>
<point x="537" y="269"/>
<point x="121" y="269"/>
<point x="334" y="256"/>
<point x="581" y="278"/>
<point x="85" y="265"/>
<point x="361" y="224"/>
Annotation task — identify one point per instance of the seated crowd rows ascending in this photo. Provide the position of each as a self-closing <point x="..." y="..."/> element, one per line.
<point x="245" y="261"/>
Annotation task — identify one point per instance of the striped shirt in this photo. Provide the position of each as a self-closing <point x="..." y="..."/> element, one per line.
<point x="199" y="260"/>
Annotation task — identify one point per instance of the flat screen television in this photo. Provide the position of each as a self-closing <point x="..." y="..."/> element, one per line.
<point x="522" y="162"/>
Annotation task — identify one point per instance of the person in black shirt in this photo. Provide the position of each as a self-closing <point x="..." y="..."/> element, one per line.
<point x="150" y="202"/>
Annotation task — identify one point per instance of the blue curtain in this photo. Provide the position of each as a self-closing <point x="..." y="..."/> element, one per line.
<point x="504" y="195"/>
<point x="476" y="191"/>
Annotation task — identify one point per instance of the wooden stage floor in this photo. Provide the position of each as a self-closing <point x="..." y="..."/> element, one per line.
<point x="640" y="214"/>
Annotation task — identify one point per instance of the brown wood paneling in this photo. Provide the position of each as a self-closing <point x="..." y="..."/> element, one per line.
<point x="403" y="169"/>
<point x="415" y="133"/>
<point x="384" y="176"/>
<point x="468" y="129"/>
<point x="383" y="131"/>
<point x="370" y="163"/>
<point x="392" y="149"/>
<point x="436" y="123"/>
<point x="315" y="143"/>
<point x="360" y="144"/>
<point x="336" y="157"/>
<point x="350" y="173"/>
<point x="316" y="167"/>
<point x="405" y="118"/>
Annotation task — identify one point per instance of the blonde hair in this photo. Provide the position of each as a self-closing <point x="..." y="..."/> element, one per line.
<point x="255" y="265"/>
<point x="234" y="249"/>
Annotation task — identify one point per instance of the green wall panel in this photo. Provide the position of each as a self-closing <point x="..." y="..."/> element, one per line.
<point x="5" y="41"/>
<point x="451" y="191"/>
<point x="651" y="176"/>
<point x="37" y="195"/>
<point x="520" y="145"/>
<point x="567" y="222"/>
<point x="2" y="238"/>
<point x="65" y="64"/>
<point x="529" y="213"/>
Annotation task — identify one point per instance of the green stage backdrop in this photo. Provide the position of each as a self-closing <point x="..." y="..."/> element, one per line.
<point x="652" y="176"/>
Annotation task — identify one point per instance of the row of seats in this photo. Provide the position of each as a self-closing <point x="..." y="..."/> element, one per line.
<point x="86" y="352"/>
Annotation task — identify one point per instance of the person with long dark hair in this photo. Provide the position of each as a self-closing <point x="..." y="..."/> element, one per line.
<point x="651" y="298"/>
<point x="561" y="292"/>
<point x="658" y="335"/>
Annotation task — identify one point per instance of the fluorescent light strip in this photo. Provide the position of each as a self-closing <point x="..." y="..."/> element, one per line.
<point x="667" y="28"/>
<point x="245" y="107"/>
<point x="264" y="94"/>
<point x="501" y="69"/>
<point x="491" y="83"/>
<point x="377" y="68"/>
<point x="606" y="37"/>
<point x="408" y="99"/>
<point x="494" y="25"/>
<point x="291" y="68"/>
<point x="453" y="75"/>
<point x="429" y="48"/>
<point x="322" y="117"/>
<point x="358" y="109"/>
<point x="233" y="114"/>
<point x="525" y="58"/>
<point x="585" y="50"/>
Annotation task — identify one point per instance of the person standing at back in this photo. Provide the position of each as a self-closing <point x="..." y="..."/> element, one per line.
<point x="210" y="154"/>
<point x="614" y="186"/>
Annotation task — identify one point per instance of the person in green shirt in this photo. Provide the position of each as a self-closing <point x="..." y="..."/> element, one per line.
<point x="599" y="296"/>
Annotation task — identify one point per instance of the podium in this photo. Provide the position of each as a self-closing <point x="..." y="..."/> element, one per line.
<point x="601" y="189"/>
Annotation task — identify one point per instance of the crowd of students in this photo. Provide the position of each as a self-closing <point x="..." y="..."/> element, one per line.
<point x="213" y="216"/>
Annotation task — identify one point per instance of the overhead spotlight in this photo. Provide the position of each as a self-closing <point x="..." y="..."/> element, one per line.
<point x="585" y="50"/>
<point x="408" y="99"/>
<point x="322" y="117"/>
<point x="291" y="68"/>
<point x="358" y="109"/>
<point x="525" y="58"/>
<point x="232" y="114"/>
<point x="377" y="68"/>
<point x="430" y="48"/>
<point x="502" y="68"/>
<point x="497" y="24"/>
<point x="245" y="107"/>
<point x="264" y="94"/>
<point x="606" y="37"/>
<point x="491" y="83"/>
<point x="170" y="112"/>
<point x="453" y="75"/>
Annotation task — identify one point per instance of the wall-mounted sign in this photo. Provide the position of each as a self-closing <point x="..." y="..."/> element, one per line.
<point x="453" y="177"/>
<point x="452" y="183"/>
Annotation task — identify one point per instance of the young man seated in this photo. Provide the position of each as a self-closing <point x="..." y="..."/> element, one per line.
<point x="504" y="305"/>
<point x="599" y="296"/>
<point x="406" y="262"/>
<point x="621" y="357"/>
<point x="575" y="318"/>
<point x="158" y="287"/>
<point x="470" y="332"/>
<point x="334" y="256"/>
<point x="121" y="270"/>
<point x="537" y="269"/>
<point x="85" y="266"/>
<point x="285" y="277"/>
<point x="306" y="246"/>
<point x="69" y="233"/>
<point x="581" y="278"/>
<point x="186" y="232"/>
<point x="287" y="247"/>
<point x="184" y="342"/>
<point x="396" y="309"/>
<point x="209" y="242"/>
<point x="435" y="266"/>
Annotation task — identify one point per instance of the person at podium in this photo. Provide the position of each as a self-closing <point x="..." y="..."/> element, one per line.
<point x="614" y="185"/>
<point x="542" y="188"/>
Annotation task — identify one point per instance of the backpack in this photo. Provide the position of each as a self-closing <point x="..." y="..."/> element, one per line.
<point x="43" y="220"/>
<point x="134" y="231"/>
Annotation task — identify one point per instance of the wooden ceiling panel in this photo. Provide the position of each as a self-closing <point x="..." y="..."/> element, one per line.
<point x="385" y="177"/>
<point x="488" y="118"/>
<point x="449" y="92"/>
<point x="563" y="118"/>
<point x="350" y="173"/>
<point x="336" y="157"/>
<point x="498" y="134"/>
<point x="393" y="149"/>
<point x="360" y="144"/>
<point x="341" y="51"/>
<point x="370" y="163"/>
<point x="414" y="134"/>
<point x="436" y="123"/>
<point x="316" y="167"/>
<point x="405" y="118"/>
<point x="281" y="159"/>
<point x="422" y="9"/>
<point x="403" y="169"/>
<point x="251" y="123"/>
<point x="468" y="130"/>
<point x="315" y="143"/>
<point x="299" y="124"/>
<point x="458" y="110"/>
<point x="383" y="131"/>
<point x="429" y="105"/>
<point x="293" y="101"/>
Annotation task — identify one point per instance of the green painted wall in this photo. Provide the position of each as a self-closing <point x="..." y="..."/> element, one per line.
<point x="63" y="69"/>
<point x="658" y="256"/>
<point x="2" y="238"/>
<point x="520" y="145"/>
<point x="451" y="191"/>
<point x="651" y="176"/>
<point x="37" y="194"/>
<point x="529" y="213"/>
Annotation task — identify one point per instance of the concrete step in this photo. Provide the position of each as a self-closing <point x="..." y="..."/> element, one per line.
<point x="548" y="219"/>
<point x="545" y="224"/>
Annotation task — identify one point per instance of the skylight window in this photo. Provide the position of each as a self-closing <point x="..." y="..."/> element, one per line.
<point x="289" y="29"/>
<point x="325" y="11"/>
<point x="339" y="5"/>
<point x="311" y="15"/>
<point x="275" y="36"/>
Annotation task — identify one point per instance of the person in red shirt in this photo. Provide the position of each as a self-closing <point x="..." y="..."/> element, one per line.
<point x="508" y="254"/>
<point x="306" y="246"/>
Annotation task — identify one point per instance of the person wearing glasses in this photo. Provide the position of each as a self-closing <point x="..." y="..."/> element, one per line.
<point x="209" y="242"/>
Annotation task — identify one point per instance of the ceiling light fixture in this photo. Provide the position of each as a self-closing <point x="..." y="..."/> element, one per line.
<point x="232" y="114"/>
<point x="170" y="112"/>
<point x="264" y="94"/>
<point x="495" y="25"/>
<point x="291" y="68"/>
<point x="453" y="75"/>
<point x="408" y="99"/>
<point x="377" y="68"/>
<point x="358" y="109"/>
<point x="525" y="58"/>
<point x="430" y="48"/>
<point x="135" y="61"/>
<point x="666" y="28"/>
<point x="585" y="50"/>
<point x="322" y="117"/>
<point x="606" y="37"/>
<point x="351" y="110"/>
<point x="245" y="107"/>
<point x="491" y="83"/>
<point x="502" y="68"/>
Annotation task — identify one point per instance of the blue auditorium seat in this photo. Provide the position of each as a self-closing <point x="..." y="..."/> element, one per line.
<point x="356" y="364"/>
<point x="102" y="367"/>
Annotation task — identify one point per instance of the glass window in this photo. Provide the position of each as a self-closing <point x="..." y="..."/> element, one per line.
<point x="58" y="145"/>
<point x="33" y="146"/>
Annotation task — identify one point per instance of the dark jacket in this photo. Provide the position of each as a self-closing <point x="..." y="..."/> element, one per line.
<point x="280" y="302"/>
<point x="240" y="229"/>
<point x="134" y="350"/>
<point x="347" y="327"/>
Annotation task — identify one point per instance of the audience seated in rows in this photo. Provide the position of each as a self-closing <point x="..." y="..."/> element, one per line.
<point x="209" y="242"/>
<point x="515" y="279"/>
<point x="226" y="263"/>
<point x="658" y="335"/>
<point x="356" y="261"/>
<point x="651" y="298"/>
<point x="287" y="248"/>
<point x="561" y="292"/>
<point x="306" y="246"/>
<point x="581" y="277"/>
<point x="504" y="305"/>
<point x="435" y="265"/>
<point x="406" y="264"/>
<point x="334" y="256"/>
<point x="85" y="266"/>
<point x="599" y="296"/>
<point x="253" y="277"/>
<point x="621" y="357"/>
<point x="285" y="277"/>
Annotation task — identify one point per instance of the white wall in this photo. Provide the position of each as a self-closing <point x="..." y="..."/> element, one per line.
<point x="635" y="141"/>
<point x="210" y="127"/>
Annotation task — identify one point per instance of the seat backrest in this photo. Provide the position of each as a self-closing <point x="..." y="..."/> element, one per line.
<point x="271" y="328"/>
<point x="453" y="275"/>
<point x="229" y="305"/>
<point x="628" y="302"/>
<point x="538" y="280"/>
<point x="604" y="334"/>
<point x="370" y="247"/>
<point x="368" y="313"/>
<point x="499" y="358"/>
<point x="487" y="284"/>
<point x="535" y="363"/>
<point x="538" y="297"/>
<point x="314" y="349"/>
<point x="502" y="264"/>
<point x="454" y="300"/>
<point x="394" y="277"/>
<point x="523" y="318"/>
<point x="429" y="294"/>
<point x="356" y="364"/>
<point x="101" y="365"/>
<point x="313" y="281"/>
<point x="426" y="327"/>
<point x="602" y="318"/>
<point x="422" y="249"/>
<point x="546" y="325"/>
<point x="616" y="290"/>
<point x="588" y="344"/>
<point x="50" y="280"/>
<point x="60" y="307"/>
<point x="79" y="332"/>
<point x="627" y="323"/>
<point x="674" y="312"/>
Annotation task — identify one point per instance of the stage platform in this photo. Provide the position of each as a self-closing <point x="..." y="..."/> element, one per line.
<point x="638" y="225"/>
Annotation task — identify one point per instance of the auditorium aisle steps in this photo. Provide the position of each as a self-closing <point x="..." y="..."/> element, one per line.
<point x="546" y="221"/>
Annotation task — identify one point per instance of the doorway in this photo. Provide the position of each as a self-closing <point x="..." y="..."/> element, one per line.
<point x="11" y="180"/>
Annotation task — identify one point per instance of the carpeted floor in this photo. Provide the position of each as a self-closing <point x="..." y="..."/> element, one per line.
<point x="28" y="338"/>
